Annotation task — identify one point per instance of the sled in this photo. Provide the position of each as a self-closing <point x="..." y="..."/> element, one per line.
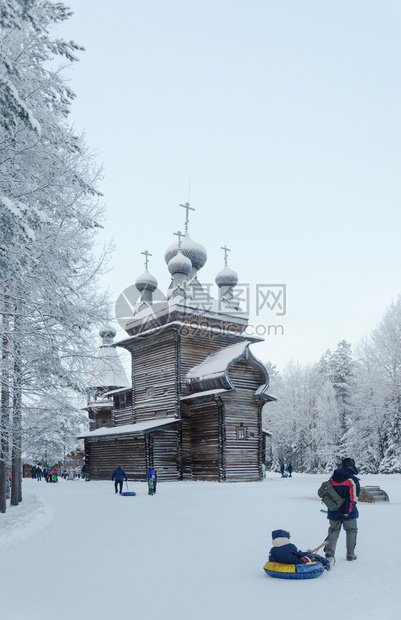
<point x="294" y="571"/>
<point x="127" y="492"/>
<point x="372" y="494"/>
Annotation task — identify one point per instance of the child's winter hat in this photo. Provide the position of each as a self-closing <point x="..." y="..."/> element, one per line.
<point x="280" y="534"/>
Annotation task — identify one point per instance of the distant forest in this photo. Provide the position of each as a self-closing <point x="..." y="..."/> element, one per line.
<point x="347" y="404"/>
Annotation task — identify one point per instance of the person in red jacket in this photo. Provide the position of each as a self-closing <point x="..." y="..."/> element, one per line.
<point x="347" y="485"/>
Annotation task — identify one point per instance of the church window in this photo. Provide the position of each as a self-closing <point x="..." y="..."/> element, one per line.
<point x="241" y="431"/>
<point x="122" y="401"/>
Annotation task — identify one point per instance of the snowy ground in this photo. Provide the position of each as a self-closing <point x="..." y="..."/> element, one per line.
<point x="194" y="551"/>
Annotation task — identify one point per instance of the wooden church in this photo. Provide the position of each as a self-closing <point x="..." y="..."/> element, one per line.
<point x="193" y="408"/>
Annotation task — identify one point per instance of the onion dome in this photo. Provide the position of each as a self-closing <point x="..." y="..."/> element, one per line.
<point x="107" y="335"/>
<point x="226" y="277"/>
<point x="171" y="251"/>
<point x="146" y="282"/>
<point x="194" y="251"/>
<point x="179" y="264"/>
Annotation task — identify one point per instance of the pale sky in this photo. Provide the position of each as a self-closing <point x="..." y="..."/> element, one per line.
<point x="283" y="117"/>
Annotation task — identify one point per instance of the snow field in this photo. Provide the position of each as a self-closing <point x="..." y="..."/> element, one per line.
<point x="193" y="551"/>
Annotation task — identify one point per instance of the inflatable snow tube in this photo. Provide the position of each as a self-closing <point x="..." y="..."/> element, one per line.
<point x="294" y="571"/>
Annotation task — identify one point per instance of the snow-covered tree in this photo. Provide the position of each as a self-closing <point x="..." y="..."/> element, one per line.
<point x="49" y="213"/>
<point x="303" y="421"/>
<point x="339" y="368"/>
<point x="50" y="429"/>
<point x="386" y="353"/>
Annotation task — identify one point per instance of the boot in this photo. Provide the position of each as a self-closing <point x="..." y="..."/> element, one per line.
<point x="331" y="560"/>
<point x="351" y="556"/>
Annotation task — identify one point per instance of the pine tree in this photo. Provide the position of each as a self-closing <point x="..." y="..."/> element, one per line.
<point x="339" y="368"/>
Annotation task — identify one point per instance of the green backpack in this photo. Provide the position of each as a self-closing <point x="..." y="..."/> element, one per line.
<point x="330" y="497"/>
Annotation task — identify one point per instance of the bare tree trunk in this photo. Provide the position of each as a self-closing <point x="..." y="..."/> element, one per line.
<point x="4" y="412"/>
<point x="16" y="465"/>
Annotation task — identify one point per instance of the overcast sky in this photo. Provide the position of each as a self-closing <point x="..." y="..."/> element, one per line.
<point x="283" y="117"/>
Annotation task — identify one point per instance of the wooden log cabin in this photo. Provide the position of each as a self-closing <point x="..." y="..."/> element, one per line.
<point x="193" y="409"/>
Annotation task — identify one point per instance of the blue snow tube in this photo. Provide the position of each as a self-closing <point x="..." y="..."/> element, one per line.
<point x="294" y="571"/>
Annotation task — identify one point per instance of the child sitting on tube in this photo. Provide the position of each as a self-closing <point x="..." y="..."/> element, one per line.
<point x="285" y="552"/>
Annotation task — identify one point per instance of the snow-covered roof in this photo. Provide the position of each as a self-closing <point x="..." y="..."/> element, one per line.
<point x="119" y="391"/>
<point x="216" y="364"/>
<point x="161" y="312"/>
<point x="211" y="375"/>
<point x="178" y="325"/>
<point x="262" y="393"/>
<point x="108" y="370"/>
<point x="100" y="403"/>
<point x="206" y="393"/>
<point x="136" y="429"/>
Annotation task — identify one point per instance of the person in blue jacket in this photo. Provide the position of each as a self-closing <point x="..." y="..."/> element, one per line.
<point x="119" y="476"/>
<point x="285" y="552"/>
<point x="347" y="485"/>
<point x="152" y="480"/>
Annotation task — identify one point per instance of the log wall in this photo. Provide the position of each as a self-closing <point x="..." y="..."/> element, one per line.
<point x="201" y="445"/>
<point x="243" y="457"/>
<point x="155" y="363"/>
<point x="104" y="455"/>
<point x="123" y="416"/>
<point x="165" y="457"/>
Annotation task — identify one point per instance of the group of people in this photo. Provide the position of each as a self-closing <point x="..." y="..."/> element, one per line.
<point x="287" y="469"/>
<point x="345" y="482"/>
<point x="119" y="476"/>
<point x="71" y="473"/>
<point x="51" y="474"/>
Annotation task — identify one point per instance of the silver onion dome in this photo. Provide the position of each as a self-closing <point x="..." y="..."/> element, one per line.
<point x="179" y="264"/>
<point x="146" y="282"/>
<point x="194" y="251"/>
<point x="107" y="334"/>
<point x="226" y="277"/>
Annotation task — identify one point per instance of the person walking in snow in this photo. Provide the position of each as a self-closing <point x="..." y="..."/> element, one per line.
<point x="119" y="476"/>
<point x="347" y="485"/>
<point x="152" y="479"/>
<point x="282" y="469"/>
<point x="289" y="469"/>
<point x="285" y="552"/>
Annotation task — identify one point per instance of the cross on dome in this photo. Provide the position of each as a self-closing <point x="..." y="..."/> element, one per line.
<point x="147" y="254"/>
<point x="226" y="249"/>
<point x="188" y="208"/>
<point x="179" y="234"/>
